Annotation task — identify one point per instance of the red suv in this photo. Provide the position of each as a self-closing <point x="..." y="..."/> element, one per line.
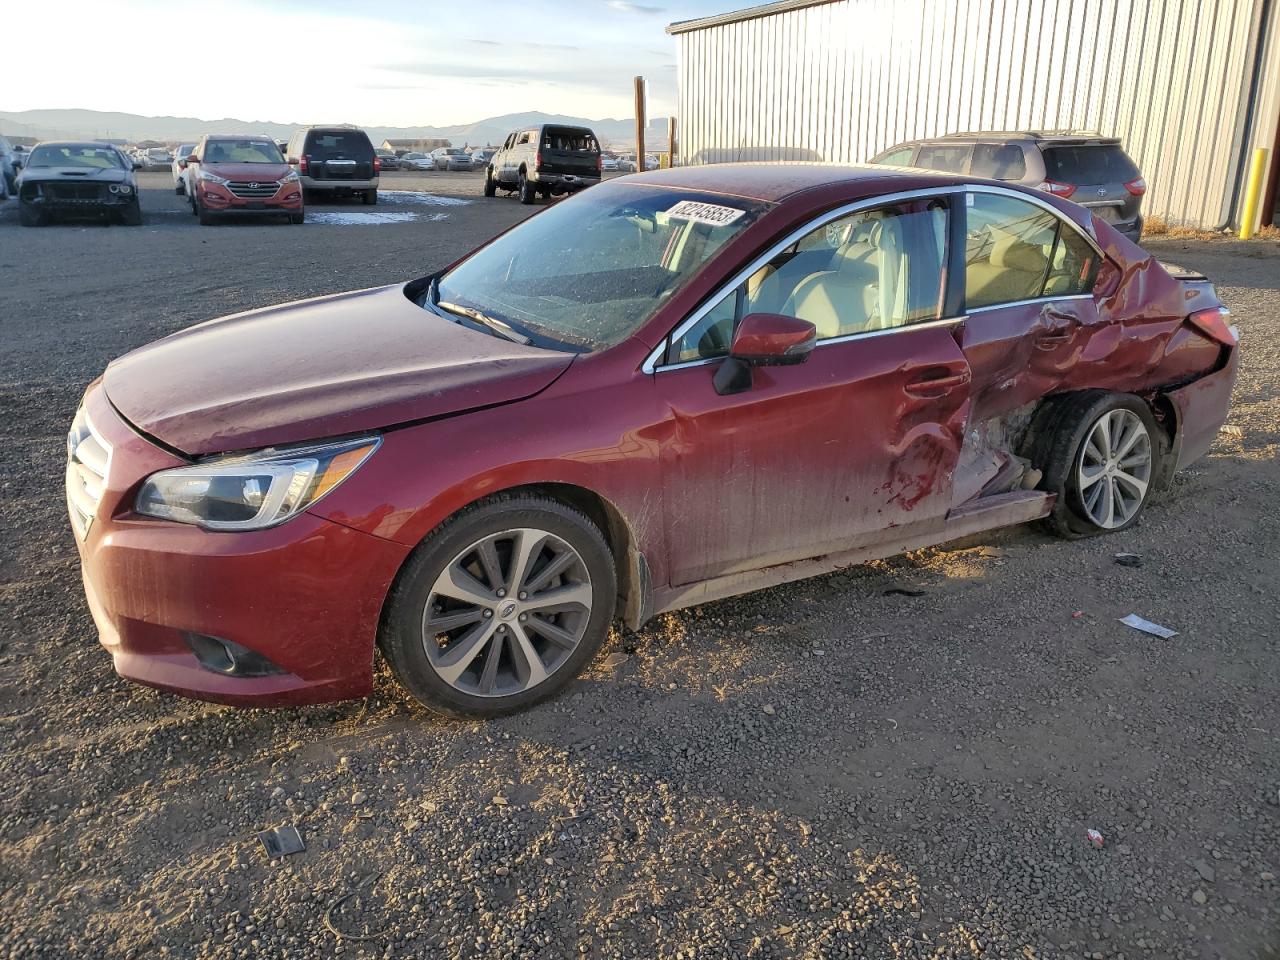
<point x="242" y="175"/>
<point x="671" y="388"/>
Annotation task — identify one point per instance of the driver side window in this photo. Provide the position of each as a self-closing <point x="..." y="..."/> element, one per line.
<point x="872" y="270"/>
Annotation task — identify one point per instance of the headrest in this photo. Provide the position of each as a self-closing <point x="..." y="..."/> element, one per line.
<point x="1013" y="254"/>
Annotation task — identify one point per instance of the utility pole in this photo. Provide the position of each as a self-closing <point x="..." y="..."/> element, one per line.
<point x="640" y="124"/>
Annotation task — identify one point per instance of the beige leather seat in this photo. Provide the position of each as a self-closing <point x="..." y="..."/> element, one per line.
<point x="1014" y="271"/>
<point x="844" y="299"/>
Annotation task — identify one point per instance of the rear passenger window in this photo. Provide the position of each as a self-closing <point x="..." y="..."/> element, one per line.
<point x="998" y="161"/>
<point x="1015" y="250"/>
<point x="940" y="156"/>
<point x="873" y="270"/>
<point x="895" y="158"/>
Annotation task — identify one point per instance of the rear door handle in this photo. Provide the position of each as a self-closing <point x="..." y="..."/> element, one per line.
<point x="936" y="383"/>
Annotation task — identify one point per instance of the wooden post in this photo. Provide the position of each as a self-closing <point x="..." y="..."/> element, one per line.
<point x="640" y="124"/>
<point x="671" y="139"/>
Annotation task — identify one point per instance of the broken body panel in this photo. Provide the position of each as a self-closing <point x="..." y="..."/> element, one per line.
<point x="873" y="445"/>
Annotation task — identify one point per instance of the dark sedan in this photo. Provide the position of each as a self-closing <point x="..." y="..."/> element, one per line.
<point x="77" y="180"/>
<point x="672" y="388"/>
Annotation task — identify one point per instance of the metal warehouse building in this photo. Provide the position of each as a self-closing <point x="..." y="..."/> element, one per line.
<point x="1192" y="86"/>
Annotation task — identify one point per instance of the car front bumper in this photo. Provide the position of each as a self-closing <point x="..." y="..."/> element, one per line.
<point x="305" y="595"/>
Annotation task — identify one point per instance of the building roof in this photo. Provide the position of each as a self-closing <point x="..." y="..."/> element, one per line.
<point x="773" y="182"/>
<point x="737" y="16"/>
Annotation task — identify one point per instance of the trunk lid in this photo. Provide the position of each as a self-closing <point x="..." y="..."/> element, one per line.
<point x="318" y="368"/>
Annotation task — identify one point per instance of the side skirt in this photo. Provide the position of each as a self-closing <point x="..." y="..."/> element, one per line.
<point x="976" y="516"/>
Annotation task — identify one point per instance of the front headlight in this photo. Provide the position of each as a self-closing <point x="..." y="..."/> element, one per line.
<point x="250" y="492"/>
<point x="213" y="178"/>
<point x="291" y="177"/>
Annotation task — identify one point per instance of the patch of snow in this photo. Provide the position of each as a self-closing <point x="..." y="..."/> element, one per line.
<point x="342" y="218"/>
<point x="416" y="196"/>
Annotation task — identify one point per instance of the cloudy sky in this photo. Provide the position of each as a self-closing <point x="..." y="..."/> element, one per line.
<point x="388" y="62"/>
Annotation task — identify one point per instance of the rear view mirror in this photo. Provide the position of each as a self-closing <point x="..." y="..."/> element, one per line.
<point x="763" y="340"/>
<point x="771" y="339"/>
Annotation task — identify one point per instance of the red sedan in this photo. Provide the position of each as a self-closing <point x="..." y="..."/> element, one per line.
<point x="675" y="387"/>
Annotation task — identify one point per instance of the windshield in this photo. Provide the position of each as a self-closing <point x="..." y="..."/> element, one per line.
<point x="75" y="155"/>
<point x="587" y="272"/>
<point x="242" y="151"/>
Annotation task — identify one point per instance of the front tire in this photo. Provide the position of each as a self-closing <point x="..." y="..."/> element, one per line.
<point x="299" y="217"/>
<point x="28" y="216"/>
<point x="1101" y="453"/>
<point x="490" y="185"/>
<point x="525" y="187"/>
<point x="131" y="216"/>
<point x="500" y="608"/>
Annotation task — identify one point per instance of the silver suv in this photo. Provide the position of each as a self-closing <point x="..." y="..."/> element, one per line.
<point x="1087" y="168"/>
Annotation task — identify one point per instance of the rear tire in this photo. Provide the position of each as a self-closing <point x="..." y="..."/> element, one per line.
<point x="490" y="185"/>
<point x="1101" y="453"/>
<point x="370" y="197"/>
<point x="510" y="648"/>
<point x="526" y="189"/>
<point x="131" y="216"/>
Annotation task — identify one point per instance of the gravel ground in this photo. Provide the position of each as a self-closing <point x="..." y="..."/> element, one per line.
<point x="820" y="770"/>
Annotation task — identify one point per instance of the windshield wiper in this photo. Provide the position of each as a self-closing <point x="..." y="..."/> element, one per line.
<point x="492" y="323"/>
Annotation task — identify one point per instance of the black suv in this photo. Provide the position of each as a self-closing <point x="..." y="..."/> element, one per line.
<point x="335" y="160"/>
<point x="550" y="159"/>
<point x="1090" y="169"/>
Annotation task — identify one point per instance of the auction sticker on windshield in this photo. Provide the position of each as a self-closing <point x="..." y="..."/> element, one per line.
<point x="699" y="212"/>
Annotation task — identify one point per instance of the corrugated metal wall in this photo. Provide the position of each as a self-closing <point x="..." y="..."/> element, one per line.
<point x="842" y="81"/>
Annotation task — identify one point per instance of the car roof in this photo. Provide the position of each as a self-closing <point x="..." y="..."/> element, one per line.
<point x="1016" y="136"/>
<point x="774" y="182"/>
<point x="77" y="143"/>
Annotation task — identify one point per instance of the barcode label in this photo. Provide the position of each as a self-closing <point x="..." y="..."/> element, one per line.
<point x="711" y="213"/>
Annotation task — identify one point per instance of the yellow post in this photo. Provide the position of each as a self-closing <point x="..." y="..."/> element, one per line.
<point x="1253" y="193"/>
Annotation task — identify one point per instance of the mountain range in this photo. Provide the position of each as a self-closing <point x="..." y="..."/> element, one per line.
<point x="95" y="124"/>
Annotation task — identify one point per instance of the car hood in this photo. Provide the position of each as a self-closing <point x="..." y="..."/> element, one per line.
<point x="247" y="171"/>
<point x="93" y="175"/>
<point x="318" y="368"/>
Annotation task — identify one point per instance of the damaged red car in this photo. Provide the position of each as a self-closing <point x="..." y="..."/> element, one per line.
<point x="675" y="387"/>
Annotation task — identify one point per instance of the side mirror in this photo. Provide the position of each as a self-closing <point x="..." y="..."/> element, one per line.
<point x="182" y="164"/>
<point x="763" y="340"/>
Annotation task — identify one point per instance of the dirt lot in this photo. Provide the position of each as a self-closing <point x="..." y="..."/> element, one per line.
<point x="820" y="770"/>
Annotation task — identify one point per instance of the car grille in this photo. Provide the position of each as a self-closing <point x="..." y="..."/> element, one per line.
<point x="88" y="456"/>
<point x="73" y="191"/>
<point x="254" y="190"/>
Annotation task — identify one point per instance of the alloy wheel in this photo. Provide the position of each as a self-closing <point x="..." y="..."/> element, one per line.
<point x="506" y="612"/>
<point x="1114" y="469"/>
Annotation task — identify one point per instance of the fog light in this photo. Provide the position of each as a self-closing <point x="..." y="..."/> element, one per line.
<point x="229" y="658"/>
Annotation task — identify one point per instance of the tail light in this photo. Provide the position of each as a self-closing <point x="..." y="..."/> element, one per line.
<point x="1137" y="186"/>
<point x="377" y="164"/>
<point x="1213" y="323"/>
<point x="537" y="160"/>
<point x="600" y="162"/>
<point x="302" y="164"/>
<point x="1063" y="190"/>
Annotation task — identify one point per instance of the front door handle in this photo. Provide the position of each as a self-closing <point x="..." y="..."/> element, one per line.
<point x="936" y="382"/>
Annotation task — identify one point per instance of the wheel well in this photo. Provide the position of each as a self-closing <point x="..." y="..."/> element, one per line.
<point x="1044" y="421"/>
<point x="605" y="516"/>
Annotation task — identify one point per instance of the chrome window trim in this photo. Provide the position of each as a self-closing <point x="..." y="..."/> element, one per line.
<point x="1020" y="303"/>
<point x="651" y="361"/>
